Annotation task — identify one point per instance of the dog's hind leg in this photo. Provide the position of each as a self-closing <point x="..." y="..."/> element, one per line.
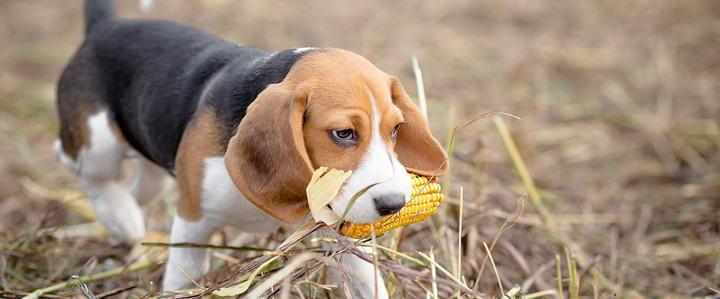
<point x="93" y="148"/>
<point x="100" y="170"/>
<point x="97" y="162"/>
<point x="149" y="180"/>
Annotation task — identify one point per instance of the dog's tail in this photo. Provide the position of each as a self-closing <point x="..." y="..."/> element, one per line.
<point x="97" y="11"/>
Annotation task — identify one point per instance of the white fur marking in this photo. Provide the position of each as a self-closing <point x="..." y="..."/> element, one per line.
<point x="103" y="159"/>
<point x="303" y="50"/>
<point x="193" y="261"/>
<point x="222" y="202"/>
<point x="98" y="167"/>
<point x="378" y="166"/>
<point x="222" y="205"/>
<point x="116" y="209"/>
<point x="149" y="181"/>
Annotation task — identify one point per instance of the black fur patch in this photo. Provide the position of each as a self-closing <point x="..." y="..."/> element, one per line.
<point x="155" y="74"/>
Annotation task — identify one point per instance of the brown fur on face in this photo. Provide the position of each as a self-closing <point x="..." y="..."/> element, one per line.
<point x="344" y="87"/>
<point x="343" y="90"/>
<point x="285" y="134"/>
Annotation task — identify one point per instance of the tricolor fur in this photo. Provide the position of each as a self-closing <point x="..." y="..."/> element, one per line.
<point x="240" y="129"/>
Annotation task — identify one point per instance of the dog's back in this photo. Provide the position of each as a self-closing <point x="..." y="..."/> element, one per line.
<point x="149" y="73"/>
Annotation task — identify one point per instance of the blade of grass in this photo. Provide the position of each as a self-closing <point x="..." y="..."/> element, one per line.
<point x="211" y="246"/>
<point x="595" y="286"/>
<point x="520" y="166"/>
<point x="558" y="273"/>
<point x="187" y="276"/>
<point x="458" y="272"/>
<point x="420" y="87"/>
<point x="497" y="275"/>
<point x="574" y="283"/>
<point x="242" y="287"/>
<point x="390" y="250"/>
<point x="398" y="253"/>
<point x="434" y="275"/>
<point x="539" y="294"/>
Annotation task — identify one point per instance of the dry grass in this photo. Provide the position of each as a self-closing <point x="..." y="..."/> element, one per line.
<point x="620" y="134"/>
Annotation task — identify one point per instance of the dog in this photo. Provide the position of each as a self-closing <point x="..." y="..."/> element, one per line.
<point x="241" y="130"/>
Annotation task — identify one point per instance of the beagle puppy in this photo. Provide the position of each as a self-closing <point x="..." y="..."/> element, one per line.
<point x="240" y="129"/>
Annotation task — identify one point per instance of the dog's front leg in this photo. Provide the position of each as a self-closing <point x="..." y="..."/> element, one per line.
<point x="357" y="277"/>
<point x="188" y="263"/>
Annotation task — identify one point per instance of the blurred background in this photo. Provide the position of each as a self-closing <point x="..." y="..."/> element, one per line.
<point x="620" y="132"/>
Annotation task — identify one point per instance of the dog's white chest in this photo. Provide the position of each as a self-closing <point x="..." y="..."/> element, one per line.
<point x="223" y="204"/>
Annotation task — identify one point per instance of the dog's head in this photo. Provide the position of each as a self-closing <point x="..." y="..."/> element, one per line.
<point x="335" y="109"/>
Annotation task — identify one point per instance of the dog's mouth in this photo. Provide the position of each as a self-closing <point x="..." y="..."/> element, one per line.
<point x="426" y="196"/>
<point x="372" y="202"/>
<point x="356" y="207"/>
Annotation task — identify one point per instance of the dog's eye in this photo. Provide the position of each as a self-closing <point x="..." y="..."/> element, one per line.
<point x="344" y="137"/>
<point x="393" y="134"/>
<point x="343" y="134"/>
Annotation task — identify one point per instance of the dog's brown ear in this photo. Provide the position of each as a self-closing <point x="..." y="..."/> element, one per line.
<point x="416" y="148"/>
<point x="267" y="160"/>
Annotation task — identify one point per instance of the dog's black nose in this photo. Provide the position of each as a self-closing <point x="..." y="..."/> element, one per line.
<point x="387" y="204"/>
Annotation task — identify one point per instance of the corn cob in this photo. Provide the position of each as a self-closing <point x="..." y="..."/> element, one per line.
<point x="424" y="200"/>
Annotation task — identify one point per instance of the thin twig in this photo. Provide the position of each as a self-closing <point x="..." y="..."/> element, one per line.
<point x="209" y="246"/>
<point x="497" y="275"/>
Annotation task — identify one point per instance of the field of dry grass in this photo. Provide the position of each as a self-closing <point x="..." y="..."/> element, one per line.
<point x="620" y="134"/>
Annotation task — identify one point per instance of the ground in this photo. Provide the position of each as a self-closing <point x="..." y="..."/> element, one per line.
<point x="619" y="131"/>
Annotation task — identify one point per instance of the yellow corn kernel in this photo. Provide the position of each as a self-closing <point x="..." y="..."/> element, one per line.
<point x="424" y="200"/>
